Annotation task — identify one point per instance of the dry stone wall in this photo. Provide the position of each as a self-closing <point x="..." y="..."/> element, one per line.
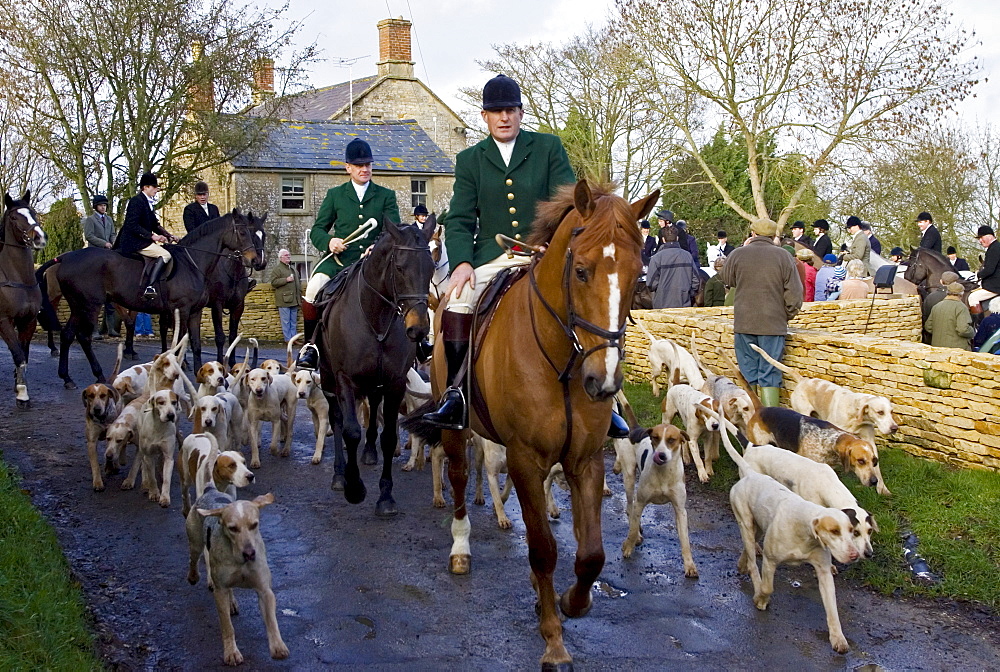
<point x="944" y="400"/>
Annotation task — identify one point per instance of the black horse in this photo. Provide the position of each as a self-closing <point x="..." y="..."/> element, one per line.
<point x="89" y="277"/>
<point x="367" y="342"/>
<point x="20" y="297"/>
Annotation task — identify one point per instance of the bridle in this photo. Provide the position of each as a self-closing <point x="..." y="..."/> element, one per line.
<point x="23" y="234"/>
<point x="401" y="304"/>
<point x="232" y="255"/>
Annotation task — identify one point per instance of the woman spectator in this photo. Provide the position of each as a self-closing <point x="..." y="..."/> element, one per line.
<point x="824" y="275"/>
<point x="809" y="284"/>
<point x="834" y="283"/>
<point x="989" y="325"/>
<point x="854" y="287"/>
<point x="950" y="324"/>
<point x="715" y="291"/>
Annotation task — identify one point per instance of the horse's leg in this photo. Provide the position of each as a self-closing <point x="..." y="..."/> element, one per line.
<point x="66" y="336"/>
<point x="354" y="488"/>
<point x="84" y="333"/>
<point x="166" y="321"/>
<point x="193" y="321"/>
<point x="9" y="333"/>
<point x="586" y="484"/>
<point x="542" y="552"/>
<point x="386" y="505"/>
<point x="220" y="332"/>
<point x="128" y="320"/>
<point x="25" y="332"/>
<point x="454" y="442"/>
<point x="337" y="423"/>
<point x="369" y="455"/>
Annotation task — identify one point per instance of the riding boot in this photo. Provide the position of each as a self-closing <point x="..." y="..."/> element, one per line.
<point x="154" y="277"/>
<point x="308" y="357"/>
<point x="112" y="323"/>
<point x="251" y="284"/>
<point x="452" y="412"/>
<point x="769" y="396"/>
<point x="619" y="428"/>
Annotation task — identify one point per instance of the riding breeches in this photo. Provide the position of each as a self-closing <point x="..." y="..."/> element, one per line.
<point x="155" y="251"/>
<point x="464" y="301"/>
<point x="978" y="295"/>
<point x="316" y="283"/>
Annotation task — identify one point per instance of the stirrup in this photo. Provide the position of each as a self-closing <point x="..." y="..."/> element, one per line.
<point x="150" y="293"/>
<point x="451" y="412"/>
<point x="308" y="357"/>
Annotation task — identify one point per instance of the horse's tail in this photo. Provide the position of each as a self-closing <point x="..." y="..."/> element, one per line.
<point x="51" y="294"/>
<point x="795" y="375"/>
<point x="414" y="423"/>
<point x="652" y="339"/>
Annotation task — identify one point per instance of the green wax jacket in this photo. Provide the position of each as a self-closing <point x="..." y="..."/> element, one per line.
<point x="342" y="213"/>
<point x="499" y="198"/>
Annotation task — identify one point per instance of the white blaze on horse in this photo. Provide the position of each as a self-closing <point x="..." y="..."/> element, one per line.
<point x="20" y="297"/>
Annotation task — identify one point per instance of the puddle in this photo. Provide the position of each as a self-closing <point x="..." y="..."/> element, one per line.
<point x="368" y="623"/>
<point x="606" y="589"/>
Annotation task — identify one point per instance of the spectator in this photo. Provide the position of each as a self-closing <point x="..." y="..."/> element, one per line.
<point x="143" y="325"/>
<point x="420" y="215"/>
<point x="956" y="261"/>
<point x="822" y="246"/>
<point x="648" y="242"/>
<point x="768" y="294"/>
<point x="988" y="326"/>
<point x="692" y="242"/>
<point x="896" y="255"/>
<point x="854" y="287"/>
<point x="99" y="231"/>
<point x="671" y="276"/>
<point x="799" y="234"/>
<point x="950" y="324"/>
<point x="199" y="211"/>
<point x="872" y="240"/>
<point x="933" y="297"/>
<point x="287" y="293"/>
<point x="665" y="218"/>
<point x="930" y="239"/>
<point x="989" y="274"/>
<point x="824" y="275"/>
<point x="715" y="290"/>
<point x="858" y="247"/>
<point x="805" y="258"/>
<point x="834" y="283"/>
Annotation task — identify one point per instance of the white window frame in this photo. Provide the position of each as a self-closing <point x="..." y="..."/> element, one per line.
<point x="282" y="197"/>
<point x="418" y="197"/>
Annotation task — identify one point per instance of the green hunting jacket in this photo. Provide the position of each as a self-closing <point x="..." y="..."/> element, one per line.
<point x="342" y="213"/>
<point x="499" y="198"/>
<point x="950" y="325"/>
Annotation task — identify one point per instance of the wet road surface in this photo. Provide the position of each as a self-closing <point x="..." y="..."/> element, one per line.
<point x="353" y="589"/>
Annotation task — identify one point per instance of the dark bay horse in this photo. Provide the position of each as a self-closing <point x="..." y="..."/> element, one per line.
<point x="924" y="269"/>
<point x="367" y="342"/>
<point x="89" y="277"/>
<point x="20" y="297"/>
<point x="547" y="370"/>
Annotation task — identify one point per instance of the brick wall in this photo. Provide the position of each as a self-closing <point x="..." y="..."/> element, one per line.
<point x="944" y="400"/>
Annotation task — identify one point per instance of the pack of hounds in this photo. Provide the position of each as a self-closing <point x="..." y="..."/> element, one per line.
<point x="789" y="503"/>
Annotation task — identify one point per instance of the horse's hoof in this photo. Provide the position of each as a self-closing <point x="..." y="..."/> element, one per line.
<point x="369" y="457"/>
<point x="338" y="483"/>
<point x="131" y="356"/>
<point x="355" y="491"/>
<point x="53" y="353"/>
<point x="460" y="564"/>
<point x="69" y="384"/>
<point x="386" y="508"/>
<point x="566" y="608"/>
<point x="557" y="667"/>
<point x="23" y="404"/>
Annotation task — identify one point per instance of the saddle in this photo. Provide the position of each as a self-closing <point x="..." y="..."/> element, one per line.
<point x="486" y="309"/>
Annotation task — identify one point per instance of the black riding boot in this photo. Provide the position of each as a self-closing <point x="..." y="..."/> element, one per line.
<point x="112" y="323"/>
<point x="308" y="357"/>
<point x="452" y="412"/>
<point x="619" y="428"/>
<point x="154" y="277"/>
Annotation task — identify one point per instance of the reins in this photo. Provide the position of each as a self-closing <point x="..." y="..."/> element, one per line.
<point x="398" y="301"/>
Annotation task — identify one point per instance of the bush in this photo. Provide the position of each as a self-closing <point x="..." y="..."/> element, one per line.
<point x="63" y="228"/>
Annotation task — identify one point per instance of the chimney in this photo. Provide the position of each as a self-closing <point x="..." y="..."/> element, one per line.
<point x="394" y="48"/>
<point x="202" y="91"/>
<point x="263" y="81"/>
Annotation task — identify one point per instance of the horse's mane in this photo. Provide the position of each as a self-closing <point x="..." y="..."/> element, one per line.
<point x="551" y="213"/>
<point x="933" y="254"/>
<point x="209" y="228"/>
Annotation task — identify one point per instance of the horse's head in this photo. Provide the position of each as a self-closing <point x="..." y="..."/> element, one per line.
<point x="405" y="260"/>
<point x="240" y="238"/>
<point x="918" y="271"/>
<point x="20" y="223"/>
<point x="599" y="246"/>
<point x="259" y="237"/>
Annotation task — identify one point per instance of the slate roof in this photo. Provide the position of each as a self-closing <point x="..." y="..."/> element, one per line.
<point x="321" y="104"/>
<point x="310" y="146"/>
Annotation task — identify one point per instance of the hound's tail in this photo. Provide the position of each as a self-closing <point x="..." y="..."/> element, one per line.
<point x="289" y="357"/>
<point x="636" y="432"/>
<point x="118" y="363"/>
<point x="697" y="360"/>
<point x="740" y="380"/>
<point x="229" y="350"/>
<point x="795" y="375"/>
<point x="734" y="454"/>
<point x="256" y="350"/>
<point x="652" y="339"/>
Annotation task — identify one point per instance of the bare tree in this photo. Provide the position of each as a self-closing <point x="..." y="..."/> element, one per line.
<point x="22" y="167"/>
<point x="586" y="91"/>
<point x="986" y="206"/>
<point x="821" y="77"/>
<point x="129" y="87"/>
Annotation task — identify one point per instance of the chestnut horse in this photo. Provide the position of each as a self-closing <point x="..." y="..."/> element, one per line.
<point x="20" y="235"/>
<point x="548" y="369"/>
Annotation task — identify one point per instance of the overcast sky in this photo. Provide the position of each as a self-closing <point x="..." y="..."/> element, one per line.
<point x="450" y="35"/>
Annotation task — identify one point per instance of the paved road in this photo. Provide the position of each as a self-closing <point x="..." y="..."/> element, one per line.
<point x="353" y="589"/>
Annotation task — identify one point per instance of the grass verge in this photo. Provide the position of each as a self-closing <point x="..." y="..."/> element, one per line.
<point x="42" y="616"/>
<point x="954" y="512"/>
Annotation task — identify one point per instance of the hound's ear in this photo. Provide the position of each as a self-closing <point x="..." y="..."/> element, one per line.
<point x="84" y="396"/>
<point x="862" y="412"/>
<point x="263" y="500"/>
<point x="684" y="435"/>
<point x="114" y="393"/>
<point x="871" y="521"/>
<point x="211" y="512"/>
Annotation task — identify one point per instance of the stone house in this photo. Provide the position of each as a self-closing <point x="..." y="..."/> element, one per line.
<point x="414" y="137"/>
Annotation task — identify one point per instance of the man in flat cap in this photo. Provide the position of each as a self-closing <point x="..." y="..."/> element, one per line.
<point x="142" y="233"/>
<point x="823" y="246"/>
<point x="345" y="208"/>
<point x="930" y="237"/>
<point x="498" y="183"/>
<point x="200" y="210"/>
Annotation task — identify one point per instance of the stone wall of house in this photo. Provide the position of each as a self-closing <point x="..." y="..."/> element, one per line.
<point x="944" y="400"/>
